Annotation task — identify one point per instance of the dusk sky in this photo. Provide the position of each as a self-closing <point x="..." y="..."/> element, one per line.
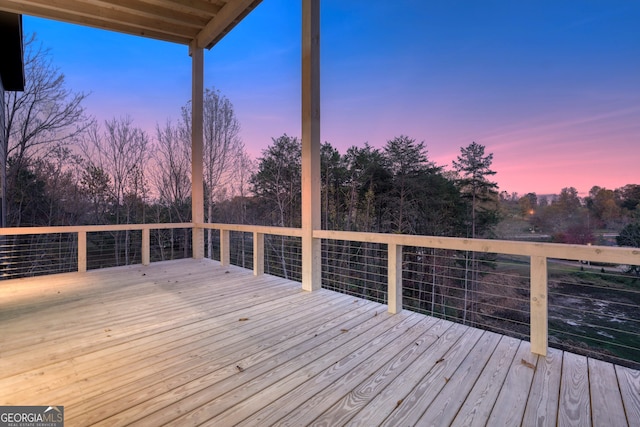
<point x="550" y="87"/>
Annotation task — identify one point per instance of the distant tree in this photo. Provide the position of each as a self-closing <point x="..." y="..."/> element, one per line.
<point x="277" y="183"/>
<point x="568" y="202"/>
<point x="630" y="197"/>
<point x="171" y="175"/>
<point x="528" y="204"/>
<point x="120" y="152"/>
<point x="95" y="184"/>
<point x="278" y="180"/>
<point x="40" y="119"/>
<point x="630" y="236"/>
<point x="407" y="161"/>
<point x="222" y="149"/>
<point x="604" y="206"/>
<point x="577" y="234"/>
<point x="368" y="182"/>
<point x="333" y="173"/>
<point x="474" y="168"/>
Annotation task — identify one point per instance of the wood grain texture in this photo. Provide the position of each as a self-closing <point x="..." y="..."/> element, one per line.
<point x="542" y="406"/>
<point x="629" y="382"/>
<point x="191" y="341"/>
<point x="447" y="404"/>
<point x="606" y="401"/>
<point x="477" y="407"/>
<point x="511" y="402"/>
<point x="575" y="405"/>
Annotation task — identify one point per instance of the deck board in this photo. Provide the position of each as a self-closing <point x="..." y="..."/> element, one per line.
<point x="191" y="342"/>
<point x="542" y="405"/>
<point x="575" y="403"/>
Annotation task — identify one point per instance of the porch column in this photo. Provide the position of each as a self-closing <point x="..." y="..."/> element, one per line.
<point x="197" y="185"/>
<point x="311" y="249"/>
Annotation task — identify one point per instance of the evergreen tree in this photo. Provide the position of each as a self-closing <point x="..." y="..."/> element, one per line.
<point x="474" y="168"/>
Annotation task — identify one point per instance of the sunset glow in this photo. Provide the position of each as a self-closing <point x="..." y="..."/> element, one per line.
<point x="552" y="89"/>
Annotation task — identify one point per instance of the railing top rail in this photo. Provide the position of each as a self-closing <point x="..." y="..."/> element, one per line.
<point x="11" y="231"/>
<point x="279" y="231"/>
<point x="614" y="255"/>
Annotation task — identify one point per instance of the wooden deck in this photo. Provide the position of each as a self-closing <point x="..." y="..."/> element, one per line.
<point x="190" y="342"/>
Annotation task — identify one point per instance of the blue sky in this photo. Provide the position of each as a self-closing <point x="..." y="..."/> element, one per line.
<point x="551" y="88"/>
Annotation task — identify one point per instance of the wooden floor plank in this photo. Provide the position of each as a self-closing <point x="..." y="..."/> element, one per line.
<point x="169" y="356"/>
<point x="392" y="396"/>
<point x="447" y="404"/>
<point x="478" y="405"/>
<point x="226" y="363"/>
<point x="542" y="407"/>
<point x="410" y="409"/>
<point x="574" y="408"/>
<point x="607" y="409"/>
<point x="629" y="382"/>
<point x="322" y="391"/>
<point x="356" y="399"/>
<point x="212" y="387"/>
<point x="190" y="341"/>
<point x="231" y="408"/>
<point x="510" y="405"/>
<point x="318" y="377"/>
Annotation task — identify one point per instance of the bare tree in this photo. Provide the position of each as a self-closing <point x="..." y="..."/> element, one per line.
<point x="40" y="119"/>
<point x="120" y="152"/>
<point x="172" y="175"/>
<point x="223" y="149"/>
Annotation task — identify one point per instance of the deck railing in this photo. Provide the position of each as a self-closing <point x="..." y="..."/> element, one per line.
<point x="388" y="267"/>
<point x="22" y="257"/>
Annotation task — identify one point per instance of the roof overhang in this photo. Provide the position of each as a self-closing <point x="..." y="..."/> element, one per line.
<point x="11" y="63"/>
<point x="197" y="23"/>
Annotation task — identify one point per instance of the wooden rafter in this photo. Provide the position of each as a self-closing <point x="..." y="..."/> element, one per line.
<point x="178" y="21"/>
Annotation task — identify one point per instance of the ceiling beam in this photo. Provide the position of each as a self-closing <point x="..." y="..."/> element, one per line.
<point x="230" y="14"/>
<point x="103" y="19"/>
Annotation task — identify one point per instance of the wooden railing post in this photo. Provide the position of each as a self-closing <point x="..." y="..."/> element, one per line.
<point x="82" y="251"/>
<point x="539" y="312"/>
<point x="146" y="257"/>
<point x="394" y="268"/>
<point x="258" y="253"/>
<point x="225" y="253"/>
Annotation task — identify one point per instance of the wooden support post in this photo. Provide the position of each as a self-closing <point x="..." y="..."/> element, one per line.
<point x="197" y="138"/>
<point x="258" y="254"/>
<point x="82" y="251"/>
<point x="394" y="269"/>
<point x="146" y="250"/>
<point x="225" y="252"/>
<point x="311" y="248"/>
<point x="539" y="311"/>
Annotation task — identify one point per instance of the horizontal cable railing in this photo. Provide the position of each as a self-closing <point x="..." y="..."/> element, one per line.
<point x="37" y="254"/>
<point x="593" y="310"/>
<point x="36" y="251"/>
<point x="271" y="250"/>
<point x="477" y="289"/>
<point x="355" y="268"/>
<point x="514" y="288"/>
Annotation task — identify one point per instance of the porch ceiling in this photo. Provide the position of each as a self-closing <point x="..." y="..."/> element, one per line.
<point x="204" y="22"/>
